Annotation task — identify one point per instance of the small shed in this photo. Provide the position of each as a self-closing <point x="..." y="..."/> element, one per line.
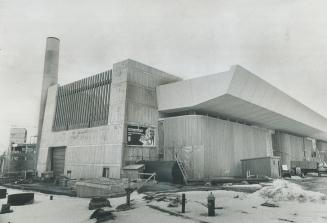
<point x="132" y="171"/>
<point x="261" y="166"/>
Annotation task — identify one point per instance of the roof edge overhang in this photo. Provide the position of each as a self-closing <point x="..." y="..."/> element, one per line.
<point x="240" y="94"/>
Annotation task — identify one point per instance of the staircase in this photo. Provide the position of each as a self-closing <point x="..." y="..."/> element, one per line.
<point x="182" y="168"/>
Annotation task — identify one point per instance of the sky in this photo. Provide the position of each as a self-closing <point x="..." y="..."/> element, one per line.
<point x="282" y="41"/>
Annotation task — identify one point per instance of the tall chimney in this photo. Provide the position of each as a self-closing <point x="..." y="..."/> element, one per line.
<point x="50" y="77"/>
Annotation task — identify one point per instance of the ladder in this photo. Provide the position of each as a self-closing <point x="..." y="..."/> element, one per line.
<point x="182" y="168"/>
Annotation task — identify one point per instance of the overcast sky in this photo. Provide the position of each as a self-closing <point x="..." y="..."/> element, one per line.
<point x="282" y="41"/>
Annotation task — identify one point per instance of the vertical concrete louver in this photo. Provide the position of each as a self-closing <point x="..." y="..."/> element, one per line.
<point x="50" y="77"/>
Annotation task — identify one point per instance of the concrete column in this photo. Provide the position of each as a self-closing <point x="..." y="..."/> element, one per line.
<point x="50" y="77"/>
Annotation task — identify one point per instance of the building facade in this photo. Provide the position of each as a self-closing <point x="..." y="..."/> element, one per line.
<point x="88" y="122"/>
<point x="20" y="158"/>
<point x="96" y="126"/>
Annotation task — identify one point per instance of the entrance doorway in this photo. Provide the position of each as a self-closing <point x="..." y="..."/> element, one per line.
<point x="58" y="160"/>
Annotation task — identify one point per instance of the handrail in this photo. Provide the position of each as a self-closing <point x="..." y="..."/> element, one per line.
<point x="181" y="167"/>
<point x="152" y="175"/>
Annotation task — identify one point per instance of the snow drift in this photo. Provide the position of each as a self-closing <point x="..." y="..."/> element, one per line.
<point x="282" y="190"/>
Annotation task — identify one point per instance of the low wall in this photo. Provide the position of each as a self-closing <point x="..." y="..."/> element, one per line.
<point x="100" y="188"/>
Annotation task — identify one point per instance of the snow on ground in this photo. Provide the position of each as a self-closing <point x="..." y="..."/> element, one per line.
<point x="63" y="209"/>
<point x="282" y="190"/>
<point x="295" y="204"/>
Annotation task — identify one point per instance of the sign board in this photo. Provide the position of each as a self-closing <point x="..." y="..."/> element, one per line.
<point x="140" y="135"/>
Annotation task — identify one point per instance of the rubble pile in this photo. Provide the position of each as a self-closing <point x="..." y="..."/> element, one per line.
<point x="174" y="200"/>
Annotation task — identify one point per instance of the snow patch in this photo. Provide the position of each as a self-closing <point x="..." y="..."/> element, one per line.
<point x="282" y="190"/>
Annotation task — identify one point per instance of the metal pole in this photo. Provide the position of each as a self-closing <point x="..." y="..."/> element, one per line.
<point x="211" y="205"/>
<point x="183" y="203"/>
<point x="128" y="193"/>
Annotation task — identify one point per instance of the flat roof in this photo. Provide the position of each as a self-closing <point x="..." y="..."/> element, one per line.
<point x="264" y="157"/>
<point x="241" y="95"/>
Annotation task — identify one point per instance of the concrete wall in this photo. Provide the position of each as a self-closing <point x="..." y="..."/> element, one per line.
<point x="17" y="135"/>
<point x="211" y="147"/>
<point x="191" y="92"/>
<point x="140" y="82"/>
<point x="241" y="95"/>
<point x="321" y="145"/>
<point x="88" y="150"/>
<point x="50" y="78"/>
<point x="322" y="149"/>
<point x="293" y="148"/>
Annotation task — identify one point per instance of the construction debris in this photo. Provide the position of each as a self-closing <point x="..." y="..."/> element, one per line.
<point x="20" y="199"/>
<point x="271" y="205"/>
<point x="3" y="193"/>
<point x="102" y="215"/>
<point x="99" y="202"/>
<point x="174" y="203"/>
<point x="283" y="219"/>
<point x="5" y="209"/>
<point x="124" y="207"/>
<point x="161" y="197"/>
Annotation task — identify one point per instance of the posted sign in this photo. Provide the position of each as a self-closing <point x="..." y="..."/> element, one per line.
<point x="140" y="135"/>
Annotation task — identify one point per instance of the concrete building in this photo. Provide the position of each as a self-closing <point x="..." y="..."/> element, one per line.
<point x="219" y="119"/>
<point x="20" y="157"/>
<point x="86" y="123"/>
<point x="17" y="135"/>
<point x="96" y="126"/>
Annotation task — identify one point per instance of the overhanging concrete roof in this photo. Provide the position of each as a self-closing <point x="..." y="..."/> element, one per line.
<point x="241" y="95"/>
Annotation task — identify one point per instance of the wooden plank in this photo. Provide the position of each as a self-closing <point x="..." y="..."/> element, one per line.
<point x="90" y="101"/>
<point x="70" y="105"/>
<point x="84" y="104"/>
<point x="107" y="96"/>
<point x="79" y="104"/>
<point x="57" y="111"/>
<point x="97" y="100"/>
<point x="102" y="99"/>
<point x="61" y="114"/>
<point x="73" y="103"/>
<point x="66" y="101"/>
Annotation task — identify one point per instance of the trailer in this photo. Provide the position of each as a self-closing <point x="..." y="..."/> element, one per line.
<point x="304" y="167"/>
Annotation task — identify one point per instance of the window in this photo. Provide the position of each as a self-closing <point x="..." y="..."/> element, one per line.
<point x="106" y="172"/>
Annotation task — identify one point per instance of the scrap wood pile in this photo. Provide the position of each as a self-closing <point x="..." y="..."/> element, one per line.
<point x="174" y="200"/>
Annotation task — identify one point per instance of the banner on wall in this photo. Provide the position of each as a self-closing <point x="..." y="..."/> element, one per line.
<point x="140" y="135"/>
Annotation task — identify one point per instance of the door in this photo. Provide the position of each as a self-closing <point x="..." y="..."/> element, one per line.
<point x="58" y="160"/>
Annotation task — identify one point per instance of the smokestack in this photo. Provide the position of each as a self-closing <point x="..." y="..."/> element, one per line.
<point x="50" y="77"/>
